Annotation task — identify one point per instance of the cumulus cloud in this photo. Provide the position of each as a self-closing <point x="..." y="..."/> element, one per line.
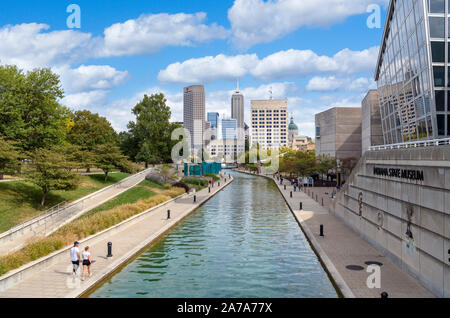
<point x="90" y="77"/>
<point x="208" y="69"/>
<point x="29" y="46"/>
<point x="280" y="65"/>
<point x="333" y="83"/>
<point x="150" y="33"/>
<point x="259" y="21"/>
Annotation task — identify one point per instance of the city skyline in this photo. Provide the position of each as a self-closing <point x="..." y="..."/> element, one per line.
<point x="106" y="70"/>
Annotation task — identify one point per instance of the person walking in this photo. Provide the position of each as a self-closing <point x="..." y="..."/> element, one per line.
<point x="86" y="262"/>
<point x="75" y="258"/>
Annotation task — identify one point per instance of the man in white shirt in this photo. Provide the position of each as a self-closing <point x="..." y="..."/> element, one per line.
<point x="75" y="258"/>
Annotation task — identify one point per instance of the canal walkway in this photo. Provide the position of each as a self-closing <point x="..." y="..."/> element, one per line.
<point x="56" y="280"/>
<point x="344" y="253"/>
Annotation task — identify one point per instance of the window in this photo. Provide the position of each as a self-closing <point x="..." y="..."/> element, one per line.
<point x="441" y="125"/>
<point x="437" y="27"/>
<point x="438" y="52"/>
<point x="430" y="126"/>
<point x="439" y="76"/>
<point x="318" y="132"/>
<point x="448" y="99"/>
<point x="437" y="6"/>
<point x="440" y="100"/>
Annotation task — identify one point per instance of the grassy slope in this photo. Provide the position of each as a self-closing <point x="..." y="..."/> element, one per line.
<point x="131" y="202"/>
<point x="20" y="200"/>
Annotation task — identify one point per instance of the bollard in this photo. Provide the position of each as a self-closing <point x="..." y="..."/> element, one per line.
<point x="195" y="198"/>
<point x="109" y="250"/>
<point x="384" y="295"/>
<point x="301" y="205"/>
<point x="284" y="187"/>
<point x="225" y="180"/>
<point x="168" y="214"/>
<point x="321" y="230"/>
<point x="291" y="194"/>
<point x="322" y="201"/>
<point x="218" y="184"/>
<point x="209" y="190"/>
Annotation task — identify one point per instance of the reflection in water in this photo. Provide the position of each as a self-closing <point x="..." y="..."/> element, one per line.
<point x="244" y="242"/>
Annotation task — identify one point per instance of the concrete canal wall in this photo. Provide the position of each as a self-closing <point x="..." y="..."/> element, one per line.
<point x="399" y="201"/>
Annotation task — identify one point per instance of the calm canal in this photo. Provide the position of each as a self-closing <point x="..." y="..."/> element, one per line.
<point x="244" y="242"/>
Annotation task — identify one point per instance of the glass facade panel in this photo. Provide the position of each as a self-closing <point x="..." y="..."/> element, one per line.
<point x="436" y="6"/>
<point x="439" y="76"/>
<point x="437" y="27"/>
<point x="440" y="100"/>
<point x="441" y="125"/>
<point x="438" y="52"/>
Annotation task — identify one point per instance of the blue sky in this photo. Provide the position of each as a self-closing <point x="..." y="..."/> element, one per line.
<point x="316" y="54"/>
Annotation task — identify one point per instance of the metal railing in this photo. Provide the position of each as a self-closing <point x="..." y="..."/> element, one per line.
<point x="50" y="220"/>
<point x="413" y="144"/>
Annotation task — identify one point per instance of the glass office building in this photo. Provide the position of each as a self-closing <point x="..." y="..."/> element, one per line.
<point x="213" y="118"/>
<point x="229" y="129"/>
<point x="412" y="71"/>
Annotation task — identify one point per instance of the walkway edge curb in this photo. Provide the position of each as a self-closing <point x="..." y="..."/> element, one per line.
<point x="338" y="281"/>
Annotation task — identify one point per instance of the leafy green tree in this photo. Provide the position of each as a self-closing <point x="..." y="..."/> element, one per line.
<point x="9" y="158"/>
<point x="90" y="130"/>
<point x="152" y="127"/>
<point x="324" y="164"/>
<point x="29" y="106"/>
<point x="47" y="170"/>
<point x="145" y="155"/>
<point x="109" y="157"/>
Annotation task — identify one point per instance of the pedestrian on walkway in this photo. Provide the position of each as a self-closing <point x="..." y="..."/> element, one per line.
<point x="212" y="182"/>
<point x="75" y="258"/>
<point x="86" y="262"/>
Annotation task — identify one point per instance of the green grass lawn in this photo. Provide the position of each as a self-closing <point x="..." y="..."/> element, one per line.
<point x="142" y="191"/>
<point x="20" y="200"/>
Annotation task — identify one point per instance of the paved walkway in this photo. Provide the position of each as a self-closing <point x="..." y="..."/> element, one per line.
<point x="18" y="238"/>
<point x="56" y="281"/>
<point x="343" y="247"/>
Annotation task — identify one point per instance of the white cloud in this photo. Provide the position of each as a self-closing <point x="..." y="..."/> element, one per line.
<point x="150" y="33"/>
<point x="29" y="46"/>
<point x="259" y="21"/>
<point x="280" y="65"/>
<point x="85" y="100"/>
<point x="90" y="77"/>
<point x="333" y="83"/>
<point x="208" y="69"/>
<point x="301" y="63"/>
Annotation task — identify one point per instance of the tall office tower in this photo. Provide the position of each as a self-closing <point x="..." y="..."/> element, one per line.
<point x="194" y="114"/>
<point x="269" y="120"/>
<point x="414" y="99"/>
<point x="213" y="118"/>
<point x="237" y="107"/>
<point x="229" y="129"/>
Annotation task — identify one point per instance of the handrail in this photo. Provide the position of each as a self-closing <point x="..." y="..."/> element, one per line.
<point x="413" y="144"/>
<point x="56" y="213"/>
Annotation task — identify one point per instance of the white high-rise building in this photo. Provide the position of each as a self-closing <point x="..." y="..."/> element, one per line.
<point x="194" y="114"/>
<point x="269" y="123"/>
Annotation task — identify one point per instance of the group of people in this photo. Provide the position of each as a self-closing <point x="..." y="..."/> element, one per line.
<point x="83" y="257"/>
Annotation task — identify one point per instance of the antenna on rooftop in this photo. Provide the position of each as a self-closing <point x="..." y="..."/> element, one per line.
<point x="271" y="92"/>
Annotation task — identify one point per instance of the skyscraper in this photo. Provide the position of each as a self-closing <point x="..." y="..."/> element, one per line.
<point x="411" y="71"/>
<point x="194" y="114"/>
<point x="237" y="107"/>
<point x="229" y="129"/>
<point x="213" y="118"/>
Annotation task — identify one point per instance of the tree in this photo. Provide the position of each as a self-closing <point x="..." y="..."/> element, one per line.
<point x="9" y="158"/>
<point x="31" y="113"/>
<point x="90" y="130"/>
<point x="144" y="155"/>
<point x="76" y="157"/>
<point x="47" y="171"/>
<point x="109" y="157"/>
<point x="325" y="163"/>
<point x="152" y="127"/>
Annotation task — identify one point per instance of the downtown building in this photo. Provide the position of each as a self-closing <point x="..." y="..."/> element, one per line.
<point x="269" y="123"/>
<point x="398" y="195"/>
<point x="194" y="115"/>
<point x="412" y="72"/>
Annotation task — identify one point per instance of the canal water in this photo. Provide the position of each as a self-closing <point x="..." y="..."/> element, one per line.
<point x="244" y="242"/>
